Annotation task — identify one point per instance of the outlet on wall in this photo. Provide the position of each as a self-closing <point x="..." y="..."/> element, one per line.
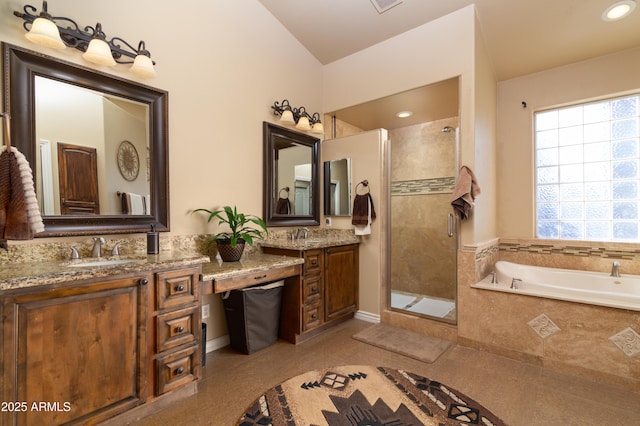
<point x="205" y="311"/>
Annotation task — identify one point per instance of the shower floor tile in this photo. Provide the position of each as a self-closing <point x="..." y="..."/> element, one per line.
<point x="400" y="300"/>
<point x="435" y="307"/>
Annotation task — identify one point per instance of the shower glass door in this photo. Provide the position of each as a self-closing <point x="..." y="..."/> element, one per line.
<point x="423" y="231"/>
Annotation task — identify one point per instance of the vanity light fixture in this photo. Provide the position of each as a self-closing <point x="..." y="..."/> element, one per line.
<point x="59" y="32"/>
<point x="298" y="116"/>
<point x="618" y="10"/>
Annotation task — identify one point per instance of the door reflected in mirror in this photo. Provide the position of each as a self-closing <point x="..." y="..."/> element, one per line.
<point x="98" y="165"/>
<point x="337" y="187"/>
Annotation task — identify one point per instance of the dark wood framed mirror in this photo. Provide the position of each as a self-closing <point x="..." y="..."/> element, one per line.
<point x="291" y="195"/>
<point x="22" y="68"/>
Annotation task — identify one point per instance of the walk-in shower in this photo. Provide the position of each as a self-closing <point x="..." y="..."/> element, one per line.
<point x="423" y="240"/>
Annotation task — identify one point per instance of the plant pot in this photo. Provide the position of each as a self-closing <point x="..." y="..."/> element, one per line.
<point x="229" y="253"/>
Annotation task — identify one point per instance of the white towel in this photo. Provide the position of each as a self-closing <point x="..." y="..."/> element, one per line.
<point x="364" y="229"/>
<point x="136" y="203"/>
<point x="33" y="209"/>
<point x="147" y="204"/>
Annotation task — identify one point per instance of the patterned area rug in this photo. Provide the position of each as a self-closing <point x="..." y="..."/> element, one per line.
<point x="365" y="395"/>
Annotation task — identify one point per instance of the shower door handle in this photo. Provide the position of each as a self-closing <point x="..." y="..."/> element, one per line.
<point x="450" y="223"/>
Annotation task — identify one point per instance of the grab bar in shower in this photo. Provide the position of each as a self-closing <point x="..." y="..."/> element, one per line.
<point x="450" y="225"/>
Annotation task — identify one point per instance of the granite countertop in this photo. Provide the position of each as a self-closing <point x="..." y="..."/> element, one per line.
<point x="31" y="274"/>
<point x="311" y="242"/>
<point x="248" y="264"/>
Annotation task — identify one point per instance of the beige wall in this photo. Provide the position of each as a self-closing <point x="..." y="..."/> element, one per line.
<point x="368" y="151"/>
<point x="598" y="77"/>
<point x="223" y="70"/>
<point x="412" y="60"/>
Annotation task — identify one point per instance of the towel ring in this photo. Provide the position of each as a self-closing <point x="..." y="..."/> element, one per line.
<point x="364" y="183"/>
<point x="286" y="188"/>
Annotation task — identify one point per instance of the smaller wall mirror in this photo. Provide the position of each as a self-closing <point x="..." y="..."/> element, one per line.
<point x="291" y="178"/>
<point x="337" y="187"/>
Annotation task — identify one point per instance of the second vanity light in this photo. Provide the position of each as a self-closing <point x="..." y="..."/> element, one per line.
<point x="298" y="116"/>
<point x="58" y="32"/>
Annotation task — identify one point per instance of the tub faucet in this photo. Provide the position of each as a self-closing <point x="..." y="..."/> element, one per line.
<point x="514" y="283"/>
<point x="98" y="242"/>
<point x="615" y="269"/>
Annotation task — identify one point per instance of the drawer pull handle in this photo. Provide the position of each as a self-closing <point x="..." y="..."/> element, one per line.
<point x="314" y="262"/>
<point x="314" y="290"/>
<point x="179" y="370"/>
<point x="260" y="277"/>
<point x="314" y="316"/>
<point x="180" y="329"/>
<point x="144" y="281"/>
<point x="180" y="288"/>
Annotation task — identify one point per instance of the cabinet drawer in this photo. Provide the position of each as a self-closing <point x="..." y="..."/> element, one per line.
<point x="225" y="284"/>
<point x="312" y="261"/>
<point x="177" y="368"/>
<point x="175" y="288"/>
<point x="312" y="289"/>
<point x="311" y="316"/>
<point x="177" y="328"/>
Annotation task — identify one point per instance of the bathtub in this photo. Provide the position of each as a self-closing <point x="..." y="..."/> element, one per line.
<point x="595" y="288"/>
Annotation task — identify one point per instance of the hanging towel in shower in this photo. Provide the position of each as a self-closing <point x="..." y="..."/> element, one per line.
<point x="465" y="192"/>
<point x="19" y="212"/>
<point x="363" y="214"/>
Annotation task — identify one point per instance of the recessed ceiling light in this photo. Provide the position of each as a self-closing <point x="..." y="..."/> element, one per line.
<point x="618" y="10"/>
<point x="404" y="114"/>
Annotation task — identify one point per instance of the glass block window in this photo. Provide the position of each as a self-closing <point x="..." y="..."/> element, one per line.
<point x="587" y="162"/>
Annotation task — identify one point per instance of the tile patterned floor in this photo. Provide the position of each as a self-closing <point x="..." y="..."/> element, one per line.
<point x="519" y="393"/>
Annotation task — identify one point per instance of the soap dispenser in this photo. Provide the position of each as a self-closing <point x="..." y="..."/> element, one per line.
<point x="153" y="242"/>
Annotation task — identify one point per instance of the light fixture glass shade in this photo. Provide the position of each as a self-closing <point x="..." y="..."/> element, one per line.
<point x="45" y="33"/>
<point x="618" y="10"/>
<point x="287" y="117"/>
<point x="318" y="128"/>
<point x="143" y="67"/>
<point x="99" y="53"/>
<point x="303" y="124"/>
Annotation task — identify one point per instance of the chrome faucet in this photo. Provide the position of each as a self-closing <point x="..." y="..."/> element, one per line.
<point x="514" y="283"/>
<point x="304" y="231"/>
<point x="75" y="255"/>
<point x="615" y="269"/>
<point x="98" y="242"/>
<point x="115" y="251"/>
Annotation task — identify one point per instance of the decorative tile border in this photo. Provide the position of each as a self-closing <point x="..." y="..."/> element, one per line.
<point x="543" y="326"/>
<point x="628" y="341"/>
<point x="442" y="185"/>
<point x="570" y="249"/>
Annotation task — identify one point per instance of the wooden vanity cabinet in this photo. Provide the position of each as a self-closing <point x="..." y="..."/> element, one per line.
<point x="326" y="295"/>
<point x="76" y="352"/>
<point x="89" y="350"/>
<point x="178" y="330"/>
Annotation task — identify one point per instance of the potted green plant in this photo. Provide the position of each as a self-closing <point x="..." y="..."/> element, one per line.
<point x="231" y="243"/>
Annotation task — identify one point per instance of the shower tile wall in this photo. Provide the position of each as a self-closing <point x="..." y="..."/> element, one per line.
<point x="423" y="165"/>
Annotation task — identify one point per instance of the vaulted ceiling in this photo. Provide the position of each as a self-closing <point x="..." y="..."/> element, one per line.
<point x="521" y="36"/>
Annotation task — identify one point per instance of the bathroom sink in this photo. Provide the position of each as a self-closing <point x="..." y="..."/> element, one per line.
<point x="109" y="262"/>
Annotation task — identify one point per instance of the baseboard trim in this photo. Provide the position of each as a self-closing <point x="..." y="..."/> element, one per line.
<point x="217" y="343"/>
<point x="367" y="316"/>
<point x="222" y="341"/>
